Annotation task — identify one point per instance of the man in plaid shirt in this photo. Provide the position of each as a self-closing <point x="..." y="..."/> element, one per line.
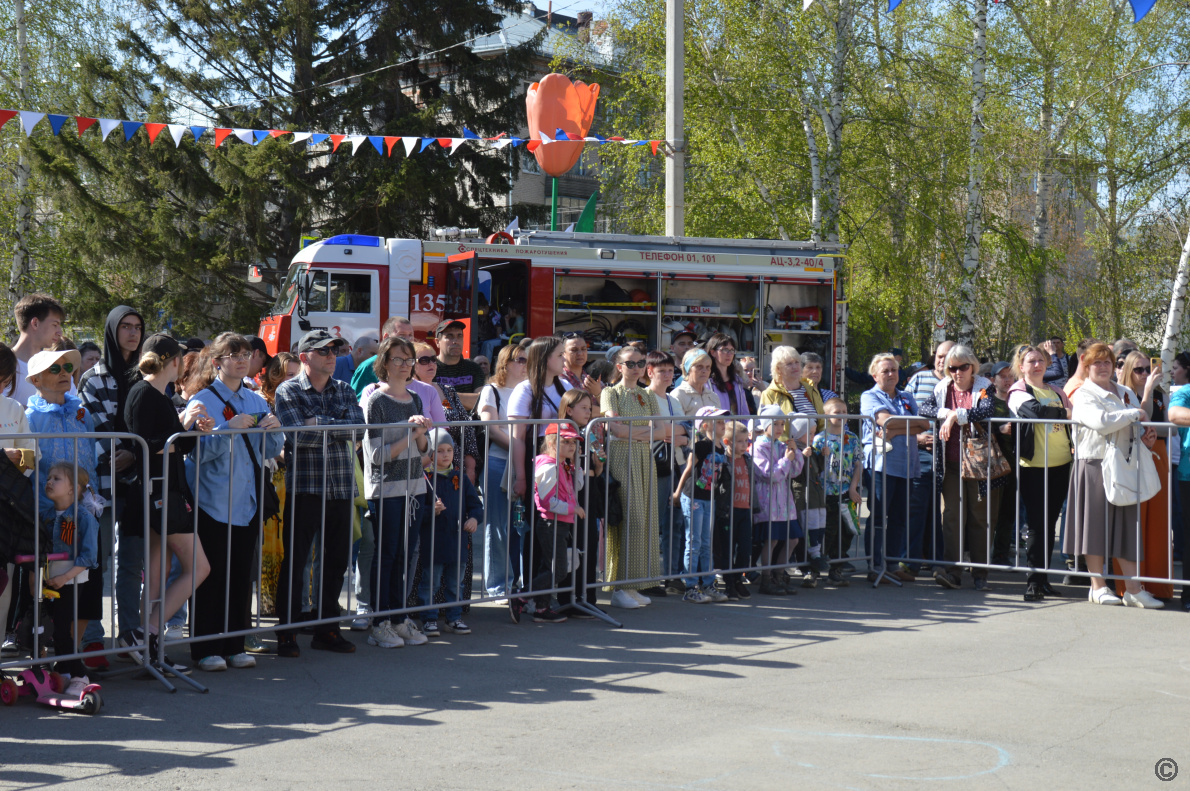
<point x="320" y="480"/>
<point x="925" y="524"/>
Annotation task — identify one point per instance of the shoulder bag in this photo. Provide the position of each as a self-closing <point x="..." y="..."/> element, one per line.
<point x="980" y="457"/>
<point x="1129" y="474"/>
<point x="270" y="503"/>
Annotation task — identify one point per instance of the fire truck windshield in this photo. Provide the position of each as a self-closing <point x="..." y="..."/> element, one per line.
<point x="288" y="292"/>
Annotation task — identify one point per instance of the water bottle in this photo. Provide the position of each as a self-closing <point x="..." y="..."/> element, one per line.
<point x="518" y="517"/>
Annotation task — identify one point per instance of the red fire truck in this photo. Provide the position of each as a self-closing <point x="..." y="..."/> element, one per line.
<point x="610" y="287"/>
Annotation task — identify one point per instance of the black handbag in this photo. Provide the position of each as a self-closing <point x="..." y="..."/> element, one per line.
<point x="663" y="457"/>
<point x="270" y="503"/>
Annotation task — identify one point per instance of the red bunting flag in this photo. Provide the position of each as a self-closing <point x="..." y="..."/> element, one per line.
<point x="389" y="142"/>
<point x="221" y="135"/>
<point x="6" y="116"/>
<point x="653" y="144"/>
<point x="84" y="123"/>
<point x="445" y="142"/>
<point x="154" y="130"/>
<point x="532" y="145"/>
<point x="277" y="132"/>
<point x="336" y="140"/>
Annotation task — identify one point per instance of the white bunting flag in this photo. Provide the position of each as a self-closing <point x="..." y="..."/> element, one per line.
<point x="501" y="143"/>
<point x="29" y="120"/>
<point x="245" y="135"/>
<point x="106" y="125"/>
<point x="301" y="137"/>
<point x="176" y="131"/>
<point x="545" y="138"/>
<point x="410" y="143"/>
<point x="355" y="141"/>
<point x="455" y="142"/>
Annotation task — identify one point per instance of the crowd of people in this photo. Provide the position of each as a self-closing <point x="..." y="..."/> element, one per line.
<point x="637" y="473"/>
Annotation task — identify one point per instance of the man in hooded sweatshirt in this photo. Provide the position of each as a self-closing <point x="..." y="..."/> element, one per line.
<point x="103" y="390"/>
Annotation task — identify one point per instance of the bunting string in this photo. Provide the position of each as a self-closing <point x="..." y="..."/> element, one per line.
<point x="383" y="144"/>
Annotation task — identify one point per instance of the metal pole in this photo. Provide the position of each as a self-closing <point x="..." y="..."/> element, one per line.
<point x="675" y="87"/>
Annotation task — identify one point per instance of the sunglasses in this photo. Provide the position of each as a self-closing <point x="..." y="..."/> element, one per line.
<point x="1120" y="362"/>
<point x="1139" y="370"/>
<point x="521" y="360"/>
<point x="568" y="335"/>
<point x="954" y="369"/>
<point x="633" y="363"/>
<point x="427" y="360"/>
<point x="57" y="369"/>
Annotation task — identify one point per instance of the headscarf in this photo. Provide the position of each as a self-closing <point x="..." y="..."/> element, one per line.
<point x="114" y="360"/>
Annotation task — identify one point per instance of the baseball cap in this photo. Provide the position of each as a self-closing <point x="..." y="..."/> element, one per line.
<point x="316" y="339"/>
<point x="257" y="345"/>
<point x="443" y="326"/>
<point x="563" y="430"/>
<point x="43" y="360"/>
<point x="164" y="346"/>
<point x="680" y="333"/>
<point x="998" y="367"/>
<point x="704" y="412"/>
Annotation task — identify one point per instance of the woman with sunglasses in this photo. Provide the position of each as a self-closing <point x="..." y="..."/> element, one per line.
<point x="960" y="400"/>
<point x="1135" y="371"/>
<point x="727" y="378"/>
<point x="633" y="548"/>
<point x="501" y="552"/>
<point x="1045" y="461"/>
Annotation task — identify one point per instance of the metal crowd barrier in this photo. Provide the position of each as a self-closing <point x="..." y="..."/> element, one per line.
<point x="41" y="636"/>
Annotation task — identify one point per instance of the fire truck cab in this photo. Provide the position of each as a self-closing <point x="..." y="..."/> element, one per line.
<point x="611" y="288"/>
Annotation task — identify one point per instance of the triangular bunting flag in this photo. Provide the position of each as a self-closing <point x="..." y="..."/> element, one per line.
<point x="29" y="120"/>
<point x="154" y="130"/>
<point x="176" y="131"/>
<point x="500" y="136"/>
<point x="221" y="135"/>
<point x="106" y="125"/>
<point x="355" y="141"/>
<point x="892" y="5"/>
<point x="569" y="228"/>
<point x="806" y="4"/>
<point x="469" y="135"/>
<point x="301" y="137"/>
<point x="335" y="141"/>
<point x="560" y="134"/>
<point x="499" y="144"/>
<point x="516" y="141"/>
<point x="455" y="142"/>
<point x="545" y="138"/>
<point x="130" y="128"/>
<point x="260" y="134"/>
<point x="426" y="142"/>
<point x="197" y="131"/>
<point x="377" y="142"/>
<point x="616" y="139"/>
<point x="532" y="145"/>
<point x="6" y="116"/>
<point x="515" y="225"/>
<point x="83" y="121"/>
<point x="389" y="142"/>
<point x="277" y="132"/>
<point x="56" y="122"/>
<point x="243" y="135"/>
<point x="1140" y="8"/>
<point x="653" y="144"/>
<point x="444" y="141"/>
<point x="639" y="142"/>
<point x="317" y="138"/>
<point x="409" y="143"/>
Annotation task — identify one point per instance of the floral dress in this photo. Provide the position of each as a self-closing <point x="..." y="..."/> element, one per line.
<point x="634" y="548"/>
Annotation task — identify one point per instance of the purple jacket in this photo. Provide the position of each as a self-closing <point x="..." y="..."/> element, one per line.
<point x="774" y="472"/>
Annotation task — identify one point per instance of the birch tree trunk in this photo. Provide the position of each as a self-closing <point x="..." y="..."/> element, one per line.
<point x="815" y="174"/>
<point x="1041" y="207"/>
<point x="1173" y="321"/>
<point x="974" y="225"/>
<point x="18" y="276"/>
<point x="833" y="119"/>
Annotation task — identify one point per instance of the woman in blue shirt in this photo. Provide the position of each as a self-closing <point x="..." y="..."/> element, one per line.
<point x="890" y="462"/>
<point x="223" y="472"/>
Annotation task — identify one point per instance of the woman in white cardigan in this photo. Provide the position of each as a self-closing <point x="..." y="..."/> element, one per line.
<point x="1103" y="409"/>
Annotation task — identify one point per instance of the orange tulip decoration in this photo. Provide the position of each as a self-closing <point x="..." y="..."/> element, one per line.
<point x="557" y="103"/>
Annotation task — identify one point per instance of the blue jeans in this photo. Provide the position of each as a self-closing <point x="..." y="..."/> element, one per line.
<point x="925" y="522"/>
<point x="449" y="574"/>
<point x="497" y="562"/>
<point x="673" y="527"/>
<point x="389" y="569"/>
<point x="488" y="349"/>
<point x="878" y="540"/>
<point x="130" y="569"/>
<point x="698" y="542"/>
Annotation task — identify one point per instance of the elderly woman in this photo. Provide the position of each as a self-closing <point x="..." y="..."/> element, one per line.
<point x="735" y="394"/>
<point x="1104" y="410"/>
<point x="789" y="390"/>
<point x="890" y="462"/>
<point x="961" y="401"/>
<point x="1044" y="460"/>
<point x="1137" y="373"/>
<point x="633" y="548"/>
<point x="696" y="391"/>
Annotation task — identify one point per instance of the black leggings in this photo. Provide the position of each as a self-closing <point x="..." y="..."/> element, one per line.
<point x="1042" y="512"/>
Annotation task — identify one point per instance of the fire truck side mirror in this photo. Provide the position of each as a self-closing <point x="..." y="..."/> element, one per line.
<point x="304" y="286"/>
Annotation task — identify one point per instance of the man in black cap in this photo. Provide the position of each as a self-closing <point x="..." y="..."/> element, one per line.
<point x="320" y="487"/>
<point x="462" y="374"/>
<point x="260" y="360"/>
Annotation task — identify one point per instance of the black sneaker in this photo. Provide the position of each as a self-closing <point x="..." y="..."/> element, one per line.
<point x="1034" y="592"/>
<point x="548" y="615"/>
<point x="287" y="646"/>
<point x="655" y="592"/>
<point x="515" y="608"/>
<point x="579" y="614"/>
<point x="134" y="639"/>
<point x="946" y="579"/>
<point x="837" y="579"/>
<point x="741" y="589"/>
<point x="156" y="655"/>
<point x="332" y="641"/>
<point x="730" y="591"/>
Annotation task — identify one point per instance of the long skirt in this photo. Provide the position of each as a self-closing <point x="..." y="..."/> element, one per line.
<point x="1095" y="526"/>
<point x="634" y="547"/>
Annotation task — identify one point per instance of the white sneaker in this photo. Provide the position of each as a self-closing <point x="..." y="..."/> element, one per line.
<point x="641" y="599"/>
<point x="212" y="664"/>
<point x="174" y="632"/>
<point x="75" y="687"/>
<point x="384" y="636"/>
<point x="361" y="621"/>
<point x="1144" y="600"/>
<point x="409" y="632"/>
<point x="1102" y="595"/>
<point x="623" y="599"/>
<point x="241" y="661"/>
